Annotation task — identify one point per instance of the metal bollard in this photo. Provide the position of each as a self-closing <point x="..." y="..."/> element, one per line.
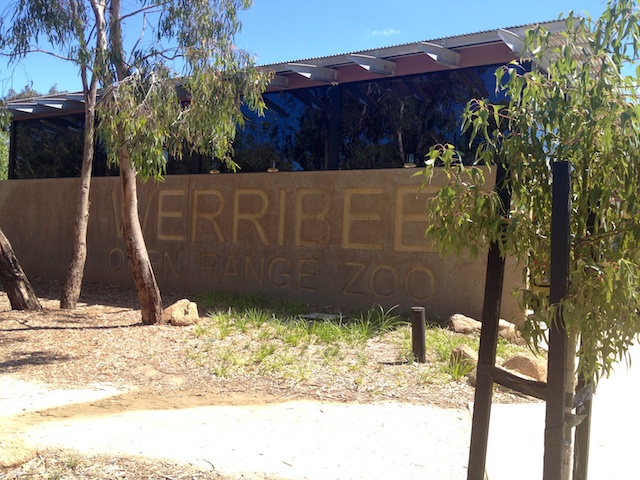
<point x="418" y="331"/>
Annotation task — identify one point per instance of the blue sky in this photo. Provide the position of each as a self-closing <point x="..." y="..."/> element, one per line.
<point x="285" y="30"/>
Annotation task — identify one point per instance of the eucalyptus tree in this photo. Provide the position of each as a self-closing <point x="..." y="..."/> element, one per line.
<point x="65" y="29"/>
<point x="177" y="87"/>
<point x="577" y="103"/>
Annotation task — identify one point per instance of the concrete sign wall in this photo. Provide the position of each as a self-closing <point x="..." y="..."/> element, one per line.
<point x="351" y="239"/>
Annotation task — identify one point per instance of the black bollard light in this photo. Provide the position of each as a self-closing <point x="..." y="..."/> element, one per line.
<point x="418" y="331"/>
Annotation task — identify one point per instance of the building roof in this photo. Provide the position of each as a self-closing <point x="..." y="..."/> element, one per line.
<point x="481" y="48"/>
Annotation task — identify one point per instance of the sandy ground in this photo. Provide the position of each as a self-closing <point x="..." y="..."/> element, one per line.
<point x="310" y="439"/>
<point x="292" y="440"/>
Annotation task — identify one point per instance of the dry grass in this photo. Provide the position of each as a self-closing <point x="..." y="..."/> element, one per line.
<point x="103" y="342"/>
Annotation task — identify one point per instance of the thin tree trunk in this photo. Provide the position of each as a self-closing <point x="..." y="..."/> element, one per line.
<point x="145" y="280"/>
<point x="15" y="282"/>
<point x="73" y="283"/>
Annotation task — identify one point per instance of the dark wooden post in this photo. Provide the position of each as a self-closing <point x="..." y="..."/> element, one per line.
<point x="488" y="344"/>
<point x="582" y="404"/>
<point x="418" y="334"/>
<point x="582" y="436"/>
<point x="556" y="437"/>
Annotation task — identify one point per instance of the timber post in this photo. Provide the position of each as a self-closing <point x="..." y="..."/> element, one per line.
<point x="557" y="439"/>
<point x="488" y="345"/>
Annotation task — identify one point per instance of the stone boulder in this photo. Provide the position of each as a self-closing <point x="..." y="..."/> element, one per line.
<point x="462" y="324"/>
<point x="510" y="333"/>
<point x="464" y="354"/>
<point x="528" y="365"/>
<point x="182" y="313"/>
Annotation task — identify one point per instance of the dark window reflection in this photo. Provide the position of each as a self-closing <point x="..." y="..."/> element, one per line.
<point x="373" y="124"/>
<point x="382" y="123"/>
<point x="292" y="135"/>
<point x="52" y="148"/>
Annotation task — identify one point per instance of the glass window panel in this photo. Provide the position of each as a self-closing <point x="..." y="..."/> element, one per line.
<point x="384" y="123"/>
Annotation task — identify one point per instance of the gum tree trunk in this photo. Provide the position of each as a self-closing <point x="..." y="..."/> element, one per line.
<point x="73" y="282"/>
<point x="15" y="282"/>
<point x="143" y="276"/>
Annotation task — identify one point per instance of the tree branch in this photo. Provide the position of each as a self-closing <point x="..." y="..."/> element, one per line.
<point x="149" y="9"/>
<point x="144" y="27"/>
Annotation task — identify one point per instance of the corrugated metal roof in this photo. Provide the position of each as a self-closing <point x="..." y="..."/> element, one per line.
<point x="453" y="41"/>
<point x="322" y="67"/>
<point x="50" y="105"/>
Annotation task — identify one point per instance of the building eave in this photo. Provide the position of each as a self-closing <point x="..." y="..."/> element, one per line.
<point x="499" y="45"/>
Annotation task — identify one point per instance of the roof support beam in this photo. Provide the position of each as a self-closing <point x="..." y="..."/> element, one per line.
<point x="274" y="107"/>
<point x="416" y="91"/>
<point x="374" y="64"/>
<point x="516" y="44"/>
<point x="50" y="103"/>
<point x="279" y="81"/>
<point x="314" y="72"/>
<point x="362" y="97"/>
<point x="78" y="97"/>
<point x="443" y="56"/>
<point x="23" y="108"/>
<point x="308" y="98"/>
<point x="512" y="40"/>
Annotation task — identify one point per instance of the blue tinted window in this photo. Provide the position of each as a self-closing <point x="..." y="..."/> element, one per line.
<point x="381" y="123"/>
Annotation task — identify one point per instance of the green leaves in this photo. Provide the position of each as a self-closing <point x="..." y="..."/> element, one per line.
<point x="464" y="207"/>
<point x="166" y="107"/>
<point x="583" y="108"/>
<point x="30" y="24"/>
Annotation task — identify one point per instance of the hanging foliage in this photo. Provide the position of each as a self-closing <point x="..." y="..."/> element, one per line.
<point x="573" y="96"/>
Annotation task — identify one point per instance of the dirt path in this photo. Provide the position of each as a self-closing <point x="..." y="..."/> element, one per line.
<point x="299" y="439"/>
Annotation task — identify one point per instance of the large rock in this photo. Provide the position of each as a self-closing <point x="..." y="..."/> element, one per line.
<point x="529" y="365"/>
<point x="182" y="313"/>
<point x="14" y="450"/>
<point x="510" y="333"/>
<point x="464" y="354"/>
<point x="462" y="324"/>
